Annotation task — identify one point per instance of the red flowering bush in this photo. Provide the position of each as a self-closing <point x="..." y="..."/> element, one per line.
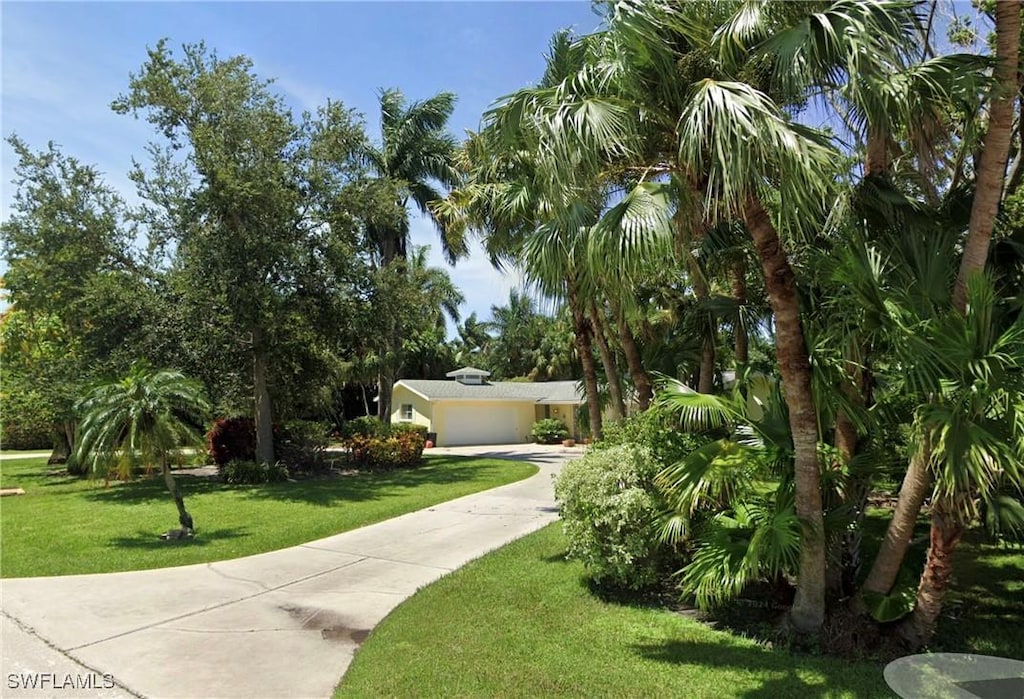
<point x="231" y="439"/>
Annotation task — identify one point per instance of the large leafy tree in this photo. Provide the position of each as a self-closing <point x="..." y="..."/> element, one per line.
<point x="78" y="292"/>
<point x="230" y="194"/>
<point x="140" y="421"/>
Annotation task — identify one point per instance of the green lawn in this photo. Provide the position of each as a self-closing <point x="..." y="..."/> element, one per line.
<point x="64" y="525"/>
<point x="522" y="622"/>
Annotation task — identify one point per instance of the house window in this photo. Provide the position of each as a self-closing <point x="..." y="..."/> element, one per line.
<point x="406" y="413"/>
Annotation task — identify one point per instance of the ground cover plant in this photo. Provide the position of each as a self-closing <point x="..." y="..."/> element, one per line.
<point x="65" y="525"/>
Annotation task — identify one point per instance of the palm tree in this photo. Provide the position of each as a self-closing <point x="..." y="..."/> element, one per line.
<point x="528" y="219"/>
<point x="678" y="96"/>
<point x="408" y="298"/>
<point x="740" y="535"/>
<point x="995" y="149"/>
<point x="414" y="156"/>
<point x="139" y="421"/>
<point x="974" y="366"/>
<point x="731" y="139"/>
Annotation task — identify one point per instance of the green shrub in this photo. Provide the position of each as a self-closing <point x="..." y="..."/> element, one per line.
<point x="247" y="472"/>
<point x="658" y="432"/>
<point x="549" y="431"/>
<point x="27" y="420"/>
<point x="366" y="426"/>
<point x="231" y="439"/>
<point x="301" y="444"/>
<point x="407" y="427"/>
<point x="610" y="512"/>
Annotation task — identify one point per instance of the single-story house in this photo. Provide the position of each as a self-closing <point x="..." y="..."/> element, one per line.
<point x="469" y="409"/>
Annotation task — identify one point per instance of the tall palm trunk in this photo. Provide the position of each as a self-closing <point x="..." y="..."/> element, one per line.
<point x="739" y="295"/>
<point x="808" y="612"/>
<point x="991" y="171"/>
<point x="916" y="484"/>
<point x="263" y="413"/>
<point x="184" y="518"/>
<point x="706" y="377"/>
<point x="611" y="372"/>
<point x="581" y="335"/>
<point x="995" y="149"/>
<point x="946" y="532"/>
<point x="877" y="157"/>
<point x="641" y="380"/>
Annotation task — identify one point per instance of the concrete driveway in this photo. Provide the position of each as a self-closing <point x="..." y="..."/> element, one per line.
<point x="279" y="624"/>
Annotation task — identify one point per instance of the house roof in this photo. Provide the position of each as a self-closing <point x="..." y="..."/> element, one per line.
<point x="546" y="392"/>
<point x="468" y="371"/>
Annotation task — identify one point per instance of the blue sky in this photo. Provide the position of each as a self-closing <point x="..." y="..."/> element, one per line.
<point x="63" y="63"/>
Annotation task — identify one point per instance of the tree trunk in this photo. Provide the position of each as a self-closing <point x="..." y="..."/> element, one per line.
<point x="846" y="437"/>
<point x="63" y="445"/>
<point x="184" y="518"/>
<point x="859" y="483"/>
<point x="581" y="333"/>
<point x="916" y="484"/>
<point x="263" y="414"/>
<point x="846" y="431"/>
<point x="877" y="157"/>
<point x="611" y="372"/>
<point x="945" y="535"/>
<point x="995" y="150"/>
<point x="641" y="381"/>
<point x="384" y="385"/>
<point x="739" y="295"/>
<point x="390" y="248"/>
<point x="706" y="377"/>
<point x="808" y="612"/>
<point x="1016" y="170"/>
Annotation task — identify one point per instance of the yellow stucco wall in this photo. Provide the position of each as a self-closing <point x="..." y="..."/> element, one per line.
<point x="422" y="410"/>
<point x="432" y="414"/>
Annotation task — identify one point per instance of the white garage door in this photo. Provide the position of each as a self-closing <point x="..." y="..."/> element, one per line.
<point x="479" y="425"/>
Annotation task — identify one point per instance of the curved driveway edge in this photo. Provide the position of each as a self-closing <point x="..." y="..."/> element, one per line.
<point x="278" y="624"/>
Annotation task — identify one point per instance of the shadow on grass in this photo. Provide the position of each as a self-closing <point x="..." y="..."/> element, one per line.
<point x="153" y="489"/>
<point x="366" y="485"/>
<point x="779" y="669"/>
<point x="326" y="492"/>
<point x="151" y="541"/>
<point x="982" y="614"/>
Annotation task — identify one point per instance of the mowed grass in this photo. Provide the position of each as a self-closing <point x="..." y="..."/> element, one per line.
<point x="523" y="622"/>
<point x="64" y="525"/>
